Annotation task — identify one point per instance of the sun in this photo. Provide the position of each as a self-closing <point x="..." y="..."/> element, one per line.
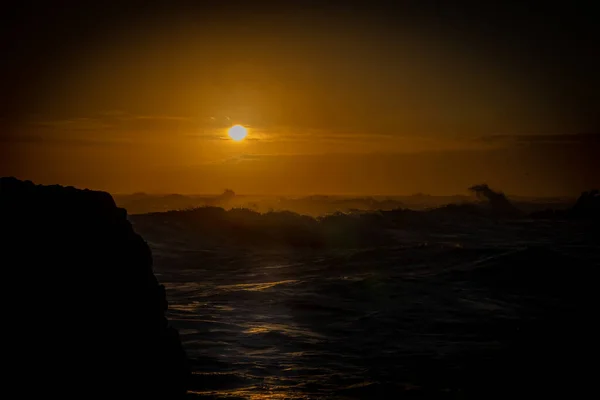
<point x="237" y="132"/>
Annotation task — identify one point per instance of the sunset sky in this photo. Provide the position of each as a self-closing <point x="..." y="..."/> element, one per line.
<point x="354" y="97"/>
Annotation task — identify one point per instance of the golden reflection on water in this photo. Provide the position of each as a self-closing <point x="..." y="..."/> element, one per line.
<point x="250" y="394"/>
<point x="255" y="286"/>
<point x="258" y="329"/>
<point x="287" y="329"/>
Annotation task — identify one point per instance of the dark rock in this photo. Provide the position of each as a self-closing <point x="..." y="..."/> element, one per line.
<point x="86" y="315"/>
<point x="587" y="205"/>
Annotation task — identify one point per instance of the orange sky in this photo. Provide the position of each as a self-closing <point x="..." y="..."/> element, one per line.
<point x="337" y="101"/>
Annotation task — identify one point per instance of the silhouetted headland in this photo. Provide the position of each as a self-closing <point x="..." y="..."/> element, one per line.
<point x="86" y="315"/>
<point x="587" y="207"/>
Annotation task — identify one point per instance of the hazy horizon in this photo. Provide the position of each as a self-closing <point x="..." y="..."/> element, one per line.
<point x="333" y="195"/>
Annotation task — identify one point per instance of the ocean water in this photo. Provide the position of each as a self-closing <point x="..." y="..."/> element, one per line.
<point x="448" y="308"/>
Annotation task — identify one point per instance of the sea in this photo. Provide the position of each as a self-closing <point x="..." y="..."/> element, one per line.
<point x="447" y="303"/>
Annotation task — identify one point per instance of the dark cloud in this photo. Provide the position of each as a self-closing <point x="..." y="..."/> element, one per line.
<point x="242" y="158"/>
<point x="584" y="138"/>
<point x="120" y="122"/>
<point x="56" y="140"/>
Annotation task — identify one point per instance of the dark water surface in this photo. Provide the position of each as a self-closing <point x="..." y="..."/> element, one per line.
<point x="438" y="313"/>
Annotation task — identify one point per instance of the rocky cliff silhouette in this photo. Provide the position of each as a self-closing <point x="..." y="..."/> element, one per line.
<point x="587" y="205"/>
<point x="85" y="313"/>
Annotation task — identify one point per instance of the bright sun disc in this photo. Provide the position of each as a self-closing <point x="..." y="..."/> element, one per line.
<point x="237" y="132"/>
